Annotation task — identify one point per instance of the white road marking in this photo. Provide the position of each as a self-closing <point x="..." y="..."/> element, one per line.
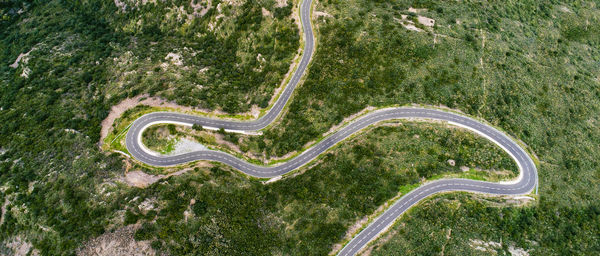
<point x="526" y="181"/>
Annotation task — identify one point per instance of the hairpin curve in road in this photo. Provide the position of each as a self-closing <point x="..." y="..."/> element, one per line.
<point x="524" y="184"/>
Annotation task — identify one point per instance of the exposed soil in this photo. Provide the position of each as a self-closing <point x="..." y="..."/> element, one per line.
<point x="410" y="25"/>
<point x="119" y="242"/>
<point x="117" y="110"/>
<point x="200" y="10"/>
<point x="17" y="246"/>
<point x="281" y="3"/>
<point x="24" y="56"/>
<point x="141" y="179"/>
<point x="426" y="21"/>
<point x="488" y="247"/>
<point x="322" y="14"/>
<point x="6" y="202"/>
<point x="185" y="145"/>
<point x="266" y="13"/>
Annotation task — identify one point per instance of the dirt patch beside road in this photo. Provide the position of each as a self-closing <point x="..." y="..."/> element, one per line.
<point x="141" y="179"/>
<point x="117" y="110"/>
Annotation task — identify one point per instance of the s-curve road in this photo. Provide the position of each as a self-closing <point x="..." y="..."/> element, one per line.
<point x="524" y="184"/>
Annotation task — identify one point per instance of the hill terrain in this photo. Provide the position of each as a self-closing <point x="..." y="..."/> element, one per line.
<point x="528" y="67"/>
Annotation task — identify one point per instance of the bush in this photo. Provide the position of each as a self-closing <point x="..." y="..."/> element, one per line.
<point x="197" y="127"/>
<point x="147" y="231"/>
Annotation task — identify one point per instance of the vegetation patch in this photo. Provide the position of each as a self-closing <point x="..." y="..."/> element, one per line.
<point x="160" y="138"/>
<point x="118" y="242"/>
<point x="316" y="207"/>
<point x="528" y="67"/>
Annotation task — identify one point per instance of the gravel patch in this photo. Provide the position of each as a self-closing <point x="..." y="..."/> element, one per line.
<point x="185" y="146"/>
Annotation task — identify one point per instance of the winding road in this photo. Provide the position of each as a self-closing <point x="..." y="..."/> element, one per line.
<point x="524" y="184"/>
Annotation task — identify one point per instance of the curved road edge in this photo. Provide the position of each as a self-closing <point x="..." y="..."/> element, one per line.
<point x="525" y="183"/>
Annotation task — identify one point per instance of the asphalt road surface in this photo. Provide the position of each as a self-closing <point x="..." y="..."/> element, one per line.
<point x="524" y="184"/>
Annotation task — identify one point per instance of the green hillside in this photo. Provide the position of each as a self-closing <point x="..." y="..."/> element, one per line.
<point x="531" y="68"/>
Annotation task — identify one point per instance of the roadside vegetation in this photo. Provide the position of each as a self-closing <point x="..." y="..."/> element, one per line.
<point x="232" y="143"/>
<point x="468" y="224"/>
<point x="161" y="138"/>
<point x="64" y="63"/>
<point x="528" y="67"/>
<point x="223" y="212"/>
<point x="224" y="55"/>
